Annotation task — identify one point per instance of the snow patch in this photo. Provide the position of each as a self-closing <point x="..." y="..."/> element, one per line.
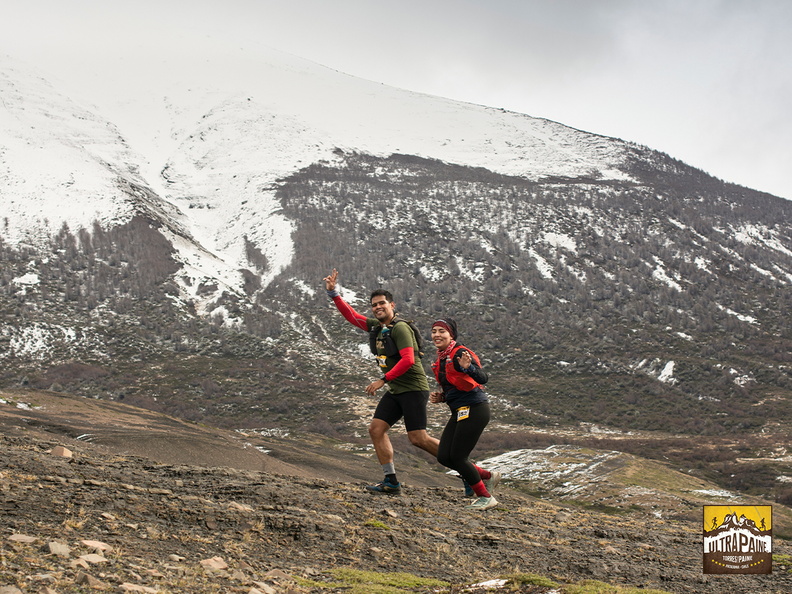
<point x="305" y="287"/>
<point x="739" y="316"/>
<point x="560" y="240"/>
<point x="18" y="404"/>
<point x="741" y="379"/>
<point x="660" y="274"/>
<point x="36" y="341"/>
<point x="716" y="493"/>
<point x="760" y="234"/>
<point x="566" y="468"/>
<point x="432" y="273"/>
<point x="545" y="268"/>
<point x="667" y="374"/>
<point x="495" y="584"/>
<point x="27" y="279"/>
<point x="703" y="264"/>
<point x="653" y="368"/>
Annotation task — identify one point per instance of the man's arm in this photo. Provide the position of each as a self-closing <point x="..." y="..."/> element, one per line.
<point x="350" y="315"/>
<point x="402" y="336"/>
<point x="407" y="354"/>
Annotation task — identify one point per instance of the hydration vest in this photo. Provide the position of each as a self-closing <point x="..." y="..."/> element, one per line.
<point x="458" y="379"/>
<point x="389" y="344"/>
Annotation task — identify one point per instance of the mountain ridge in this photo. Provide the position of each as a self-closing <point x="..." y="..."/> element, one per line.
<point x="602" y="282"/>
<point x="282" y="133"/>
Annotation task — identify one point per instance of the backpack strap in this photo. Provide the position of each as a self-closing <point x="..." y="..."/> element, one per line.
<point x="458" y="347"/>
<point x="390" y="345"/>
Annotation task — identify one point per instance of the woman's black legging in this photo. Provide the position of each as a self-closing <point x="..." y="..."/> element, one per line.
<point x="459" y="438"/>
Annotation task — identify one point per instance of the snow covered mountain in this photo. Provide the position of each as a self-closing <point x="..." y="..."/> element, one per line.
<point x="214" y="159"/>
<point x="148" y="231"/>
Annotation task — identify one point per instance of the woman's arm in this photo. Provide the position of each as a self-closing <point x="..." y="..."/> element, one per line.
<point x="465" y="363"/>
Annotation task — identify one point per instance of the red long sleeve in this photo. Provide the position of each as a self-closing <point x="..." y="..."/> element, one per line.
<point x="350" y="315"/>
<point x="406" y="361"/>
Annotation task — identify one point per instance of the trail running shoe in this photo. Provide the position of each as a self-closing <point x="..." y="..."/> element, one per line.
<point x="493" y="481"/>
<point x="482" y="503"/>
<point x="385" y="487"/>
<point x="469" y="492"/>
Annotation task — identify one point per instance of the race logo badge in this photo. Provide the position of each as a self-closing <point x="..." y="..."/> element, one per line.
<point x="738" y="538"/>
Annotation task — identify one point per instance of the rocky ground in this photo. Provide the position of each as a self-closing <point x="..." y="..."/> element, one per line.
<point x="104" y="519"/>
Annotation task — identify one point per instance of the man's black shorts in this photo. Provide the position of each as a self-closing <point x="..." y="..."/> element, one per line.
<point x="410" y="405"/>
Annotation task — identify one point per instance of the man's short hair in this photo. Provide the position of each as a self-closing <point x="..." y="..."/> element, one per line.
<point x="384" y="293"/>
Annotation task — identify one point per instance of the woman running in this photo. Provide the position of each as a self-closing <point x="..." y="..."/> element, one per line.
<point x="460" y="376"/>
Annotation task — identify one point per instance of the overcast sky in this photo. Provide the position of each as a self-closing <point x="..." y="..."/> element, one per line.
<point x="707" y="81"/>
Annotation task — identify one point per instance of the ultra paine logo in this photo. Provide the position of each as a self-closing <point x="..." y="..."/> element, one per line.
<point x="738" y="538"/>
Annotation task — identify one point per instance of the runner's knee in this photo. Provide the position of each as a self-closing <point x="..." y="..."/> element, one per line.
<point x="377" y="429"/>
<point x="444" y="459"/>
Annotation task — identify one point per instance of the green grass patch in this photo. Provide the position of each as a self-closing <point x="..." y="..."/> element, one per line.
<point x="370" y="582"/>
<point x="597" y="587"/>
<point x="376" y="524"/>
<point x="783" y="562"/>
<point x="354" y="581"/>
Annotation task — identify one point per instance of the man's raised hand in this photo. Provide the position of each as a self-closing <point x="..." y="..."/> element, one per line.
<point x="330" y="280"/>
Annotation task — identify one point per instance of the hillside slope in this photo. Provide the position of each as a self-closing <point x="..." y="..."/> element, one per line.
<point x="163" y="519"/>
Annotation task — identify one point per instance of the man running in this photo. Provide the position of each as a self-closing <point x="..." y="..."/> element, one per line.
<point x="408" y="389"/>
